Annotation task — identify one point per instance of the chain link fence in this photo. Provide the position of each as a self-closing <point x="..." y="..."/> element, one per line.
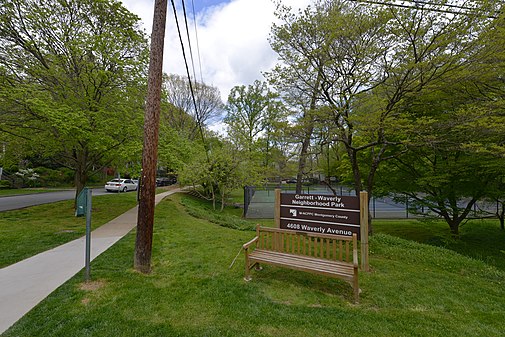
<point x="259" y="203"/>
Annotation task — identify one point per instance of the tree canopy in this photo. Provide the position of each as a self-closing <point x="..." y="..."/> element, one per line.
<point x="72" y="74"/>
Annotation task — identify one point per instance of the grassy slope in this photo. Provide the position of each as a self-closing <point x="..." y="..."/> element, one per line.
<point x="479" y="239"/>
<point x="413" y="290"/>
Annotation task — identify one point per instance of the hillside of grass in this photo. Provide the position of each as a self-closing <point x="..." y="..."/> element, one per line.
<point x="413" y="289"/>
<point x="480" y="239"/>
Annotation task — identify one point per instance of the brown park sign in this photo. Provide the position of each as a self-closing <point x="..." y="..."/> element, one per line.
<point x="325" y="214"/>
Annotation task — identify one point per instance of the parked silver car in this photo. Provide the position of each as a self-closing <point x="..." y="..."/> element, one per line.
<point x="121" y="185"/>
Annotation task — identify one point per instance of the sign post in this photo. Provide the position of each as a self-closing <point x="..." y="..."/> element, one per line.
<point x="363" y="201"/>
<point x="277" y="208"/>
<point x="325" y="214"/>
<point x="84" y="208"/>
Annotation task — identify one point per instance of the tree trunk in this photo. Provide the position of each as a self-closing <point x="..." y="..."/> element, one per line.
<point x="81" y="174"/>
<point x="358" y="185"/>
<point x="145" y="220"/>
<point x="453" y="223"/>
<point x="501" y="213"/>
<point x="454" y="226"/>
<point x="303" y="159"/>
<point x="306" y="140"/>
<point x="223" y="199"/>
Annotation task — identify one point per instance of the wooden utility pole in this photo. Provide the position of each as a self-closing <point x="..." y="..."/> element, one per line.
<point x="145" y="220"/>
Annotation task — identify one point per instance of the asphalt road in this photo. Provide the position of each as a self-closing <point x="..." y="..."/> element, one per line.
<point x="26" y="200"/>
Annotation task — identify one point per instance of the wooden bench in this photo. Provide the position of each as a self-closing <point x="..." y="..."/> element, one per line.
<point x="324" y="254"/>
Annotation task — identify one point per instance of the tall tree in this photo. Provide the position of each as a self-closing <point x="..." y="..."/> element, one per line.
<point x="372" y="61"/>
<point x="455" y="142"/>
<point x="72" y="73"/>
<point x="439" y="174"/>
<point x="177" y="92"/>
<point x="331" y="53"/>
<point x="249" y="109"/>
<point x="219" y="172"/>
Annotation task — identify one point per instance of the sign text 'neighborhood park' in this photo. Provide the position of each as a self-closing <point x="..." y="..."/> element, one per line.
<point x="323" y="214"/>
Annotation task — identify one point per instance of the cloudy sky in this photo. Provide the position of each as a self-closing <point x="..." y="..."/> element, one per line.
<point x="232" y="38"/>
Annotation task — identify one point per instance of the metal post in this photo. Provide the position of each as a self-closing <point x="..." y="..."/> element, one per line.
<point x="246" y="201"/>
<point x="407" y="206"/>
<point x="374" y="215"/>
<point x="88" y="234"/>
<point x="363" y="198"/>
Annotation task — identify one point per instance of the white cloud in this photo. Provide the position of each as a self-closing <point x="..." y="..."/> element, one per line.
<point x="232" y="36"/>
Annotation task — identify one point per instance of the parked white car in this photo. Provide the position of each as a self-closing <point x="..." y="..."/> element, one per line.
<point x="121" y="185"/>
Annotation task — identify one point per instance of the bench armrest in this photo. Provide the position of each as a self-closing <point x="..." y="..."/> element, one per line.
<point x="355" y="257"/>
<point x="246" y="245"/>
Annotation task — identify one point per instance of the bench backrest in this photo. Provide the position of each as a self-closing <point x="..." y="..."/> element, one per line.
<point x="325" y="246"/>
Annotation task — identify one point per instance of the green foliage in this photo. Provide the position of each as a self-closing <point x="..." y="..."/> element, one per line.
<point x="220" y="171"/>
<point x="367" y="68"/>
<point x="4" y="184"/>
<point x="72" y="79"/>
<point x="54" y="178"/>
<point x="175" y="150"/>
<point x="252" y="110"/>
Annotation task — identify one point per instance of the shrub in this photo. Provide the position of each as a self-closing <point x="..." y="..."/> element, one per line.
<point x="4" y="184"/>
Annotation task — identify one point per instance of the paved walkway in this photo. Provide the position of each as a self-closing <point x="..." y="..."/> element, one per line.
<point x="24" y="284"/>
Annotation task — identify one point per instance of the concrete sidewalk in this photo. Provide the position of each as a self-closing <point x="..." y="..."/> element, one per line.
<point x="24" y="284"/>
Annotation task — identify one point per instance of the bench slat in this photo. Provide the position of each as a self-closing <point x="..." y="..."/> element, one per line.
<point x="310" y="252"/>
<point x="337" y="265"/>
<point x="310" y="265"/>
<point x="260" y="254"/>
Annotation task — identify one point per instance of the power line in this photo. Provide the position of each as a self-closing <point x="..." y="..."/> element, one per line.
<point x="440" y="5"/>
<point x="464" y="10"/>
<point x="197" y="115"/>
<point x="189" y="40"/>
<point x="197" y="42"/>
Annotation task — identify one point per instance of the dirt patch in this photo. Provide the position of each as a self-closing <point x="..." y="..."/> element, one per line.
<point x="92" y="285"/>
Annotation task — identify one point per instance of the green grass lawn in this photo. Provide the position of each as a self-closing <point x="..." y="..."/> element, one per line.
<point x="479" y="239"/>
<point x="29" y="231"/>
<point x="413" y="289"/>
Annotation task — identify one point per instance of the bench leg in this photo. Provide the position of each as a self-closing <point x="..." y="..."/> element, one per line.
<point x="248" y="270"/>
<point x="247" y="275"/>
<point x="355" y="287"/>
